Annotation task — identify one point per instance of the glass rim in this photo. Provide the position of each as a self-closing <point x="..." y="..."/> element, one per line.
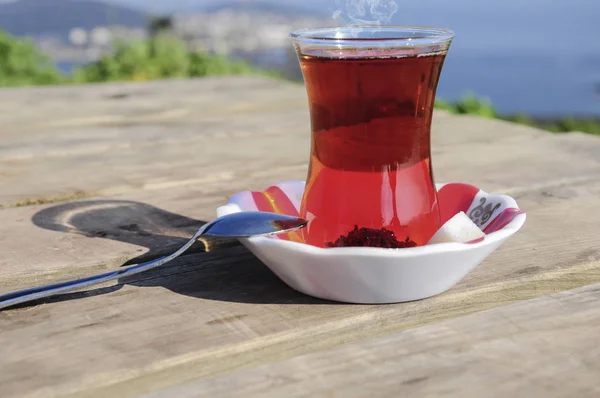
<point x="394" y="35"/>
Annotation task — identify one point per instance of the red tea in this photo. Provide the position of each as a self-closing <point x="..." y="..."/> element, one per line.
<point x="370" y="161"/>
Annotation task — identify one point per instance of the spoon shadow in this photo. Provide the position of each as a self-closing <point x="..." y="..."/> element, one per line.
<point x="212" y="269"/>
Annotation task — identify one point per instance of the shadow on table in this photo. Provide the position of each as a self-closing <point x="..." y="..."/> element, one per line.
<point x="227" y="273"/>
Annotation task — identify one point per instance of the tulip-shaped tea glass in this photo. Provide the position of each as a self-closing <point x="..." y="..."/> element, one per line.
<point x="371" y="93"/>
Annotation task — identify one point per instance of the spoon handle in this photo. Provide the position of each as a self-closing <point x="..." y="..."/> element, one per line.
<point x="23" y="296"/>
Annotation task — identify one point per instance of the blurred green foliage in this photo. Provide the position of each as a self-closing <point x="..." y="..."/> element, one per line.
<point x="21" y="64"/>
<point x="160" y="57"/>
<point x="470" y="105"/>
<point x="482" y="107"/>
<point x="164" y="56"/>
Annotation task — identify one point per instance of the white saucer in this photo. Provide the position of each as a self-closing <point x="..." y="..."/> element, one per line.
<point x="374" y="275"/>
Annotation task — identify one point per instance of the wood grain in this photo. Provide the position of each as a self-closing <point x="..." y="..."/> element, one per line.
<point x="154" y="161"/>
<point x="213" y="313"/>
<point x="218" y="132"/>
<point x="547" y="347"/>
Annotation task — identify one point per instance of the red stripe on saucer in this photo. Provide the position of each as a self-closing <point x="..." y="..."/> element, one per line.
<point x="262" y="202"/>
<point x="502" y="220"/>
<point x="281" y="202"/>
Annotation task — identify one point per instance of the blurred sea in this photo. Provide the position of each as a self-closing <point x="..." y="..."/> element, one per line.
<point x="543" y="85"/>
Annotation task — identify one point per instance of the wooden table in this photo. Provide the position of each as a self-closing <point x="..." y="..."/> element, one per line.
<point x="95" y="177"/>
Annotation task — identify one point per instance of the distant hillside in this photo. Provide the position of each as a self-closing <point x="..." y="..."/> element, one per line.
<point x="58" y="17"/>
<point x="251" y="6"/>
<point x="305" y="7"/>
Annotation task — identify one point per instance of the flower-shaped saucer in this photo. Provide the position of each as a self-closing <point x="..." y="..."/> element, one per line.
<point x="370" y="275"/>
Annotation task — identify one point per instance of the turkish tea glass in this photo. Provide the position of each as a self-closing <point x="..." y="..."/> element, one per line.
<point x="371" y="92"/>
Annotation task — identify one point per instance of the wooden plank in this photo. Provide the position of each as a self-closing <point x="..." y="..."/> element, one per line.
<point x="212" y="313"/>
<point x="105" y="140"/>
<point x="108" y="158"/>
<point x="168" y="154"/>
<point x="129" y="170"/>
<point x="106" y="233"/>
<point x="142" y="162"/>
<point x="549" y="347"/>
<point x="120" y="104"/>
<point x="189" y="191"/>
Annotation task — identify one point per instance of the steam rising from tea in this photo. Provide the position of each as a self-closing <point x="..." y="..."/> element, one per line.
<point x="365" y="12"/>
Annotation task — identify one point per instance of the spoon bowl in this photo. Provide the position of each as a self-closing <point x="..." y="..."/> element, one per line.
<point x="252" y="223"/>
